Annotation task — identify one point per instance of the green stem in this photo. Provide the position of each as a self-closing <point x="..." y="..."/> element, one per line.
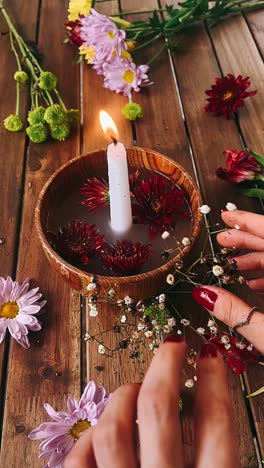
<point x="48" y="96"/>
<point x="60" y="99"/>
<point x="17" y="97"/>
<point x="259" y="177"/>
<point x="157" y="54"/>
<point x="153" y="39"/>
<point x="253" y="6"/>
<point x="140" y="12"/>
<point x="14" y="51"/>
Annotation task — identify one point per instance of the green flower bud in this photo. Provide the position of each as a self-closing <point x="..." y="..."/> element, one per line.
<point x="132" y="111"/>
<point x="38" y="133"/>
<point x="55" y="115"/>
<point x="61" y="132"/>
<point x="13" y="123"/>
<point x="36" y="116"/>
<point x="21" y="76"/>
<point x="47" y="81"/>
<point x="73" y="116"/>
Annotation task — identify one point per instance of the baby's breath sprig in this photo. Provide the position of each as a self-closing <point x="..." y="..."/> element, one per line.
<point x="48" y="115"/>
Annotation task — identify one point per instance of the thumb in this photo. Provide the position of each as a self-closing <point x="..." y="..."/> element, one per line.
<point x="231" y="310"/>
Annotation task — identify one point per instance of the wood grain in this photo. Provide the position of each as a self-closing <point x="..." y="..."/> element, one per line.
<point x="238" y="54"/>
<point x="49" y="371"/>
<point x="12" y="148"/>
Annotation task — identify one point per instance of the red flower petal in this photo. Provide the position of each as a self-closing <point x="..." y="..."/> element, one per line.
<point x="77" y="242"/>
<point x="125" y="257"/>
<point x="227" y="95"/>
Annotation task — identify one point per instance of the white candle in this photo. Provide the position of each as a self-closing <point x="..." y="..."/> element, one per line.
<point x="119" y="191"/>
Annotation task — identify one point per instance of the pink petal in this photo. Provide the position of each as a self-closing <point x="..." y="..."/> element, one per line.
<point x="54" y="414"/>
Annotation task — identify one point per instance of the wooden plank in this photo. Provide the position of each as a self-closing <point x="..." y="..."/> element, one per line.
<point x="12" y="147"/>
<point x="238" y="54"/>
<point x="209" y="137"/>
<point x="50" y="369"/>
<point x="255" y="20"/>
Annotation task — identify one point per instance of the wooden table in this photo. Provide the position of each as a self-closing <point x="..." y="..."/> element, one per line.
<point x="58" y="363"/>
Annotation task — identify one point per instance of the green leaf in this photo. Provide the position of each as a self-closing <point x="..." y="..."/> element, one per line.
<point x="258" y="157"/>
<point x="257" y="392"/>
<point x="253" y="192"/>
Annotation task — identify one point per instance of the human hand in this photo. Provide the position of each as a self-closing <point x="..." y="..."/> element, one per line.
<point x="227" y="307"/>
<point x="112" y="443"/>
<point x="248" y="235"/>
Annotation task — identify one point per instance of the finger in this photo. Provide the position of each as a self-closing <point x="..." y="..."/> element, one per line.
<point x="240" y="239"/>
<point x="81" y="455"/>
<point x="231" y="310"/>
<point x="248" y="222"/>
<point x="256" y="284"/>
<point x="114" y="437"/>
<point x="215" y="433"/>
<point x="158" y="408"/>
<point x="250" y="262"/>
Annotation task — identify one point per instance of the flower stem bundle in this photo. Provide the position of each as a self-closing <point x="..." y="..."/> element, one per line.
<point x="48" y="115"/>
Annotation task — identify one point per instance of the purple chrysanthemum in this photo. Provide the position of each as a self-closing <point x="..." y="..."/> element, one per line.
<point x="18" y="305"/>
<point x="100" y="32"/>
<point x="61" y="434"/>
<point x="123" y="76"/>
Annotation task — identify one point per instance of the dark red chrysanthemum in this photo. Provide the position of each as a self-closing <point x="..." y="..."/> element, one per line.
<point x="227" y="94"/>
<point x="96" y="190"/>
<point x="157" y="204"/>
<point x="73" y="32"/>
<point x="240" y="165"/>
<point x="236" y="358"/>
<point x="77" y="242"/>
<point x="126" y="258"/>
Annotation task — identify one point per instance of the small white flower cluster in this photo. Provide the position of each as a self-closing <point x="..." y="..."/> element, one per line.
<point x="101" y="349"/>
<point x="170" y="279"/>
<point x="165" y="235"/>
<point x="93" y="283"/>
<point x="218" y="270"/>
<point x="212" y="326"/>
<point x="205" y="209"/>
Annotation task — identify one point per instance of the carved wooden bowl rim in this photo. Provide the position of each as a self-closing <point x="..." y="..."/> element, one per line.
<point x="196" y="226"/>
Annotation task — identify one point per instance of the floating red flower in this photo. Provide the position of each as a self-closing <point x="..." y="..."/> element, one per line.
<point x="239" y="354"/>
<point x="157" y="204"/>
<point x="227" y="94"/>
<point x="241" y="166"/>
<point x="125" y="257"/>
<point x="77" y="242"/>
<point x="96" y="190"/>
<point x="73" y="32"/>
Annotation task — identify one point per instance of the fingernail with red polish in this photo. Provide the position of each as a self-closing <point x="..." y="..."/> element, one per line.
<point x="173" y="339"/>
<point x="208" y="350"/>
<point x="205" y="297"/>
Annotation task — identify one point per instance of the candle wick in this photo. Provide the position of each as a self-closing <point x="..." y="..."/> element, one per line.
<point x="114" y="140"/>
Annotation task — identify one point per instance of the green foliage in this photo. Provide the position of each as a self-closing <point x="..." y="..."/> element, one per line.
<point x="60" y="132"/>
<point x="37" y="133"/>
<point x="21" y="76"/>
<point x="47" y="81"/>
<point x="253" y="192"/>
<point x="36" y="116"/>
<point x="132" y="111"/>
<point x="13" y="123"/>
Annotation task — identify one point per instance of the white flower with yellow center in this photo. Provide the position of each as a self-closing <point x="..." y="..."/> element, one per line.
<point x="18" y="305"/>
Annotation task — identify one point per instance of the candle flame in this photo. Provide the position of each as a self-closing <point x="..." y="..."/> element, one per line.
<point x="108" y="125"/>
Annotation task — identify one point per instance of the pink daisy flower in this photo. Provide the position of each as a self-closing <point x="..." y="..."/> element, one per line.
<point x="123" y="76"/>
<point x="100" y="32"/>
<point x="18" y="304"/>
<point x="61" y="434"/>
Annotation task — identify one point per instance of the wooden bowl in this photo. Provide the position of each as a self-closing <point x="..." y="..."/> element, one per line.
<point x="139" y="286"/>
